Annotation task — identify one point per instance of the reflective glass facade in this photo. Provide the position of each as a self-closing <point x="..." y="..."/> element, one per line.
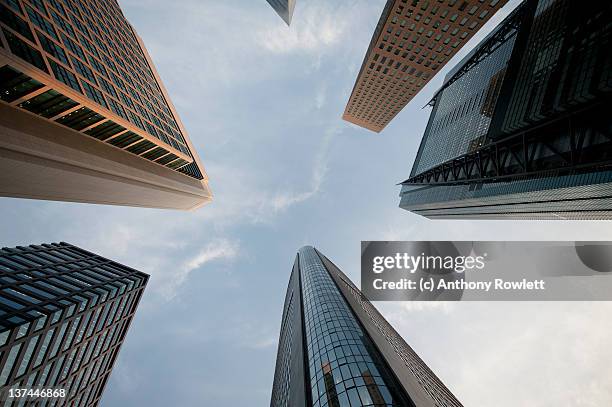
<point x="331" y="354"/>
<point x="566" y="63"/>
<point x="345" y="369"/>
<point x="289" y="388"/>
<point x="536" y="143"/>
<point x="64" y="313"/>
<point x="284" y="8"/>
<point x="463" y="110"/>
<point x="584" y="196"/>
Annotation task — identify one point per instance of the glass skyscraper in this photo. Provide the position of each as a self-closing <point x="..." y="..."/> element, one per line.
<point x="84" y="115"/>
<point x="284" y="8"/>
<point x="412" y="42"/>
<point x="336" y="349"/>
<point x="64" y="313"/>
<point x="520" y="129"/>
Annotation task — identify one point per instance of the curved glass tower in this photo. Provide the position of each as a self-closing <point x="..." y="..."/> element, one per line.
<point x="336" y="350"/>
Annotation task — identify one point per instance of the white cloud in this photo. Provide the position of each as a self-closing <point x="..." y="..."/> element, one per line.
<point x="266" y="342"/>
<point x="220" y="249"/>
<point x="282" y="201"/>
<point x="536" y="354"/>
<point x="316" y="28"/>
<point x="321" y="97"/>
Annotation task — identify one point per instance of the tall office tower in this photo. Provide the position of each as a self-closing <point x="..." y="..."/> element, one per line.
<point x="284" y="8"/>
<point x="84" y="116"/>
<point x="412" y="41"/>
<point x="521" y="129"/>
<point x="337" y="350"/>
<point x="64" y="313"/>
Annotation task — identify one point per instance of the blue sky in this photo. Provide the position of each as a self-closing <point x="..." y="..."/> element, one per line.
<point x="262" y="104"/>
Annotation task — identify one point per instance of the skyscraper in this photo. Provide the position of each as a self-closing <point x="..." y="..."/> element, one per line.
<point x="521" y="127"/>
<point x="412" y="41"/>
<point x="337" y="350"/>
<point x="84" y="116"/>
<point x="64" y="313"/>
<point x="284" y="8"/>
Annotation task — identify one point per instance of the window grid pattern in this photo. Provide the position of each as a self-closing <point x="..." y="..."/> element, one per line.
<point x="345" y="370"/>
<point x="463" y="111"/>
<point x="412" y="41"/>
<point x="282" y="372"/>
<point x="64" y="313"/>
<point x="430" y="383"/>
<point x="578" y="196"/>
<point x="557" y="93"/>
<point x="106" y="64"/>
<point x="566" y="63"/>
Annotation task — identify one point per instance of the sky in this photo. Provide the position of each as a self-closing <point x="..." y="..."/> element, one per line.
<point x="262" y="103"/>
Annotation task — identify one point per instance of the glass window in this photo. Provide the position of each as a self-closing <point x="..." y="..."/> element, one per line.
<point x="342" y="367"/>
<point x="125" y="139"/>
<point x="41" y="22"/>
<point x="71" y="332"/>
<point x="4" y="337"/>
<point x="94" y="94"/>
<point x="155" y="153"/>
<point x="53" y="288"/>
<point x="80" y="118"/>
<point x="10" y="303"/>
<point x="40" y="322"/>
<point x="27" y="355"/>
<point x="60" y="22"/>
<point x="52" y="48"/>
<point x="167" y="159"/>
<point x="15" y="22"/>
<point x="48" y="104"/>
<point x="72" y="46"/>
<point x="105" y="130"/>
<point x="43" y="349"/>
<point x="23" y="330"/>
<point x="24" y="51"/>
<point x="8" y="366"/>
<point x="58" y="340"/>
<point x="65" y="76"/>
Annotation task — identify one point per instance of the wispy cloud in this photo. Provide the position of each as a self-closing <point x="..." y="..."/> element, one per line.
<point x="220" y="249"/>
<point x="264" y="343"/>
<point x="315" y="29"/>
<point x="321" y="96"/>
<point x="284" y="200"/>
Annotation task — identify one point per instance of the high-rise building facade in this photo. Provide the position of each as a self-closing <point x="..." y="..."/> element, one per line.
<point x="284" y="8"/>
<point x="64" y="313"/>
<point x="521" y="127"/>
<point x="413" y="40"/>
<point x="84" y="116"/>
<point x="337" y="350"/>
